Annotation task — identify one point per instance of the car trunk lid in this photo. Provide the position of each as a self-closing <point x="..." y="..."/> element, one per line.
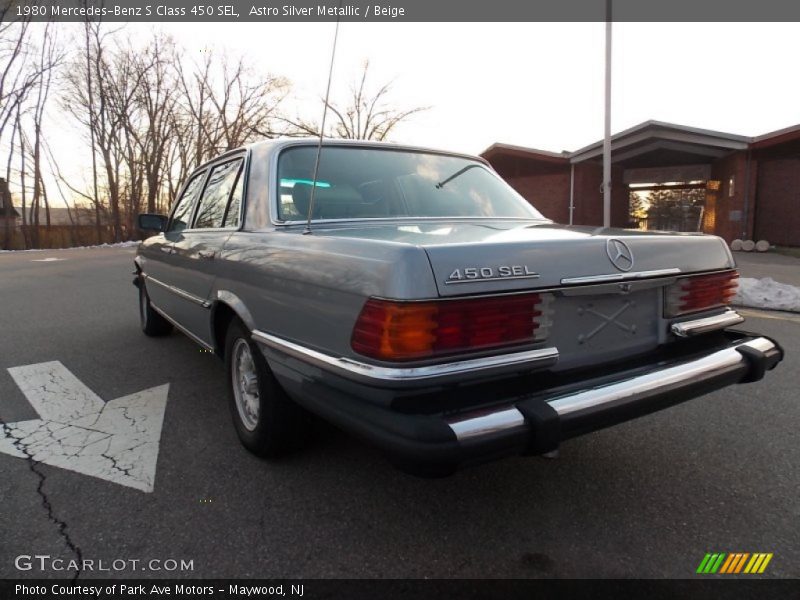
<point x="547" y="257"/>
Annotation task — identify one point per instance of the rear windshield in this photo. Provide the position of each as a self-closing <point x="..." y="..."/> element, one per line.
<point x="363" y="183"/>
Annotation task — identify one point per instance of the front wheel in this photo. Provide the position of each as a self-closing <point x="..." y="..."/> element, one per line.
<point x="267" y="421"/>
<point x="152" y="323"/>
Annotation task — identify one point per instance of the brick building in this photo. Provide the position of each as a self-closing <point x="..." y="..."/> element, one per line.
<point x="667" y="176"/>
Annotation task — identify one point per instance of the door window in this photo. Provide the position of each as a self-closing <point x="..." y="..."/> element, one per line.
<point x="214" y="202"/>
<point x="183" y="209"/>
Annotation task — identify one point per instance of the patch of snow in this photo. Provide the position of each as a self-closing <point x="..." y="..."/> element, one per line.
<point x="130" y="244"/>
<point x="767" y="293"/>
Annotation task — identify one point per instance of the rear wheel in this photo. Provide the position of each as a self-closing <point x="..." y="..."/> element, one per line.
<point x="152" y="323"/>
<point x="267" y="421"/>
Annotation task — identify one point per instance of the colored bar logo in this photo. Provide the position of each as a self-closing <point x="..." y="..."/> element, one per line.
<point x="734" y="563"/>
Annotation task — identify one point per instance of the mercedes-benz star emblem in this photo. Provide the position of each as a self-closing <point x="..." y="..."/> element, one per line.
<point x="619" y="254"/>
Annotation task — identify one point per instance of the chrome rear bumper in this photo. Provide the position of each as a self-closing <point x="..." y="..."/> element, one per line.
<point x="735" y="361"/>
<point x="530" y="414"/>
<point x="697" y="326"/>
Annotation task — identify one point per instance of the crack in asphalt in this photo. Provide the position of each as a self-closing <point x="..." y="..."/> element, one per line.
<point x="124" y="470"/>
<point x="133" y="420"/>
<point x="33" y="466"/>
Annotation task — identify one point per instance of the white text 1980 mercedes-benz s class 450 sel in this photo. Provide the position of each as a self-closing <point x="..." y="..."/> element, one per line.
<point x="429" y="308"/>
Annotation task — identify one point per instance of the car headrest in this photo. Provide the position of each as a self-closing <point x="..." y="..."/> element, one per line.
<point x="329" y="202"/>
<point x="301" y="196"/>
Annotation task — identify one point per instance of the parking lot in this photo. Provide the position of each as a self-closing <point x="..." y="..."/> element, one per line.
<point x="648" y="498"/>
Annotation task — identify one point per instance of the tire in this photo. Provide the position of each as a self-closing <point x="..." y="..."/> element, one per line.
<point x="267" y="421"/>
<point x="152" y="323"/>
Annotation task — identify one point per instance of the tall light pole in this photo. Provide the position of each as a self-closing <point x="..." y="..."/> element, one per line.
<point x="607" y="135"/>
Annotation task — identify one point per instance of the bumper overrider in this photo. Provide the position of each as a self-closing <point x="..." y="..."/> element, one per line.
<point x="521" y="423"/>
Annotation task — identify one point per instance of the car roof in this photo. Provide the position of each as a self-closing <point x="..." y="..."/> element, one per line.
<point x="278" y="144"/>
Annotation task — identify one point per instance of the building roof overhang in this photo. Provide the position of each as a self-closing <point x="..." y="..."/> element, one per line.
<point x="656" y="138"/>
<point x="775" y="138"/>
<point x="656" y="135"/>
<point x="500" y="149"/>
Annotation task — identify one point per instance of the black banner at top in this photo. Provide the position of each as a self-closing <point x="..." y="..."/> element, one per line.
<point x="400" y="10"/>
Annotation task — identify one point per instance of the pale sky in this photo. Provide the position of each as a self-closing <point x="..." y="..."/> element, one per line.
<point x="541" y="85"/>
<point x="530" y="84"/>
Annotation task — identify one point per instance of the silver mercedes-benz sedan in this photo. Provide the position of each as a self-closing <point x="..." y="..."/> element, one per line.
<point x="413" y="298"/>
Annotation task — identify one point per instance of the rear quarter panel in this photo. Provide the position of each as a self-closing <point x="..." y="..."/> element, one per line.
<point x="310" y="289"/>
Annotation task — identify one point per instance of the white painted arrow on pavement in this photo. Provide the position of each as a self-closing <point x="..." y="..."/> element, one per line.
<point x="116" y="440"/>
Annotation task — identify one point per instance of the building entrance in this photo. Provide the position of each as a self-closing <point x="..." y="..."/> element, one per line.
<point x="677" y="206"/>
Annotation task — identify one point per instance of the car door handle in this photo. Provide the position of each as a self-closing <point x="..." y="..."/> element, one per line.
<point x="207" y="254"/>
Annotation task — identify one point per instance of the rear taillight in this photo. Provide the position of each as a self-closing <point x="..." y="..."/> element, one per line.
<point x="392" y="331"/>
<point x="700" y="292"/>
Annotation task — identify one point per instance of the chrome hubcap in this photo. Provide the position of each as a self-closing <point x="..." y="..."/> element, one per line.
<point x="245" y="384"/>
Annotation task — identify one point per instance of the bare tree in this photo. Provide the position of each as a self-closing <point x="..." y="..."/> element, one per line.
<point x="149" y="115"/>
<point x="22" y="181"/>
<point x="228" y="105"/>
<point x="16" y="82"/>
<point x="8" y="203"/>
<point x="100" y="95"/>
<point x="181" y="155"/>
<point x="54" y="169"/>
<point x="80" y="100"/>
<point x="156" y="99"/>
<point x="150" y="121"/>
<point x="89" y="104"/>
<point x="366" y="115"/>
<point x="49" y="58"/>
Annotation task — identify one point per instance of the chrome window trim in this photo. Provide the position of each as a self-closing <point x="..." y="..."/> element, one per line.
<point x="620" y="276"/>
<point x="205" y="167"/>
<point x="399" y="376"/>
<point x="706" y="324"/>
<point x="639" y="388"/>
<point x="245" y="185"/>
<point x="179" y="292"/>
<point x="378" y="220"/>
<point x="237" y="154"/>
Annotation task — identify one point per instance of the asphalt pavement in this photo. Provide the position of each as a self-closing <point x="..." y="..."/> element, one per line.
<point x="648" y="498"/>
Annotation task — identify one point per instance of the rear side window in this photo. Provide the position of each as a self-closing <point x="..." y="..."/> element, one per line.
<point x="183" y="209"/>
<point x="214" y="202"/>
<point x="231" y="218"/>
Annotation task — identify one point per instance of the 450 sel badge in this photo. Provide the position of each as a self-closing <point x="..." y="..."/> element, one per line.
<point x="474" y="274"/>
